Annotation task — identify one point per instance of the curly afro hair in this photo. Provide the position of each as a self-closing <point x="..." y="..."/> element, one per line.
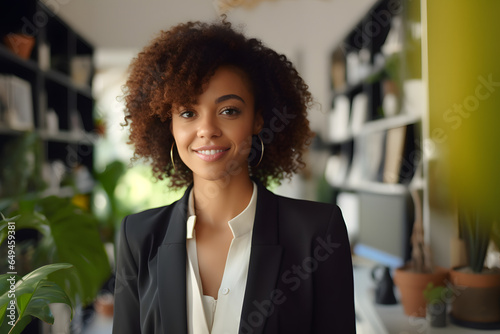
<point x="172" y="70"/>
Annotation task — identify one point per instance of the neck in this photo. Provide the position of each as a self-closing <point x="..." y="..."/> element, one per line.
<point x="217" y="202"/>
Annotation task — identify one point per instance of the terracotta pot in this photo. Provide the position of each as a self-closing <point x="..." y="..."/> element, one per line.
<point x="477" y="296"/>
<point x="411" y="287"/>
<point x="20" y="44"/>
<point x="104" y="305"/>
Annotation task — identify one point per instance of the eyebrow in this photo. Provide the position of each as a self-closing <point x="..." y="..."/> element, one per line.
<point x="228" y="97"/>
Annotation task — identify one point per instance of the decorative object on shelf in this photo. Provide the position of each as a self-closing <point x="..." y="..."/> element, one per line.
<point x="414" y="97"/>
<point x="338" y="70"/>
<point x="477" y="304"/>
<point x="81" y="70"/>
<point x="44" y="56"/>
<point x="104" y="305"/>
<point x="352" y="68"/>
<point x="52" y="122"/>
<point x="374" y="143"/>
<point x="15" y="94"/>
<point x="437" y="299"/>
<point x="359" y="112"/>
<point x="339" y="119"/>
<point x="384" y="291"/>
<point x="394" y="42"/>
<point x="336" y="169"/>
<point x="20" y="44"/>
<point x="413" y="278"/>
<point x="390" y="101"/>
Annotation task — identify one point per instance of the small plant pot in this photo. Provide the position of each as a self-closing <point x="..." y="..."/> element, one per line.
<point x="20" y="44"/>
<point x="436" y="314"/>
<point x="411" y="286"/>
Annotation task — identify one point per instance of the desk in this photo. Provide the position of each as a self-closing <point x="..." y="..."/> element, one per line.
<point x="390" y="319"/>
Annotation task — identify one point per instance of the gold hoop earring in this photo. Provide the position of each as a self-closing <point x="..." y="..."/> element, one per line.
<point x="261" y="151"/>
<point x="172" y="156"/>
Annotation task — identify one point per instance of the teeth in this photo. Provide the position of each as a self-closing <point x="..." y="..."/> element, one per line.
<point x="210" y="152"/>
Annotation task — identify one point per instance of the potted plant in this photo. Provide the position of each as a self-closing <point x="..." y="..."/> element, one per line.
<point x="477" y="306"/>
<point x="11" y="28"/>
<point x="414" y="277"/>
<point x="66" y="234"/>
<point x="436" y="298"/>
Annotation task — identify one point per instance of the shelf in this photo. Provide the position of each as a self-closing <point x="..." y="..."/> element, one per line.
<point x="60" y="72"/>
<point x="381" y="188"/>
<point x="7" y="130"/>
<point x="73" y="137"/>
<point x="389" y="123"/>
<point x="340" y="141"/>
<point x="372" y="187"/>
<point x="348" y="89"/>
<point x="8" y="56"/>
<point x="64" y="80"/>
<point x="378" y="125"/>
<point x="376" y="155"/>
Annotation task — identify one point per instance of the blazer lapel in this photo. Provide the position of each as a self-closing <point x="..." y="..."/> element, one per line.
<point x="263" y="270"/>
<point x="171" y="272"/>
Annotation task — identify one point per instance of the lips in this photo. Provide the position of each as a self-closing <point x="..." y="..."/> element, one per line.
<point x="211" y="153"/>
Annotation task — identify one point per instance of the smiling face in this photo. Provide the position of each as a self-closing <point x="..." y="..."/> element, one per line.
<point x="214" y="136"/>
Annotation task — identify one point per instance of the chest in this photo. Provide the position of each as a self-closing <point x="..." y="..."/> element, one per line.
<point x="212" y="251"/>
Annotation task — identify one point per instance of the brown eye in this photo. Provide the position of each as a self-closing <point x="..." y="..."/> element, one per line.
<point x="186" y="114"/>
<point x="230" y="112"/>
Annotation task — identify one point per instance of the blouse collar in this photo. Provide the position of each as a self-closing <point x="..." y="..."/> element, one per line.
<point x="239" y="225"/>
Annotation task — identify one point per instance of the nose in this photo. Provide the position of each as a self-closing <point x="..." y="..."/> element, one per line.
<point x="208" y="127"/>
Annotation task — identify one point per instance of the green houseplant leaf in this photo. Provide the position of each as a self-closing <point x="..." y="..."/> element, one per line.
<point x="475" y="229"/>
<point x="435" y="294"/>
<point x="69" y="235"/>
<point x="33" y="294"/>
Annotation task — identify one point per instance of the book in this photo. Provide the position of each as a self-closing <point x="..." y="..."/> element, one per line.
<point x="394" y="147"/>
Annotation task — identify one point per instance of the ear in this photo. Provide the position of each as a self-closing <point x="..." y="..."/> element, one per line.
<point x="258" y="122"/>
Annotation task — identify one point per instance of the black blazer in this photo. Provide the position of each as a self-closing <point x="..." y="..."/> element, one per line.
<point x="300" y="277"/>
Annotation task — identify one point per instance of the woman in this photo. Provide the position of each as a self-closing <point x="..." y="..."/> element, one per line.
<point x="226" y="116"/>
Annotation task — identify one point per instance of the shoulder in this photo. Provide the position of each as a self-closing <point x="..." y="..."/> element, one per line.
<point x="148" y="226"/>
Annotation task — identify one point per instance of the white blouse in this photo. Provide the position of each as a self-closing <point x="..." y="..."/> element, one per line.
<point x="205" y="314"/>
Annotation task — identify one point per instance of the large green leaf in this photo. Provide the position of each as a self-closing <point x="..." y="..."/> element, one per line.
<point x="18" y="328"/>
<point x="74" y="238"/>
<point x="69" y="235"/>
<point x="46" y="293"/>
<point x="33" y="294"/>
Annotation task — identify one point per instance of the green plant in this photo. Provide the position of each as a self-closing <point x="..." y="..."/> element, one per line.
<point x="476" y="230"/>
<point x="435" y="294"/>
<point x="21" y="172"/>
<point x="68" y="234"/>
<point x="30" y="296"/>
<point x="108" y="180"/>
